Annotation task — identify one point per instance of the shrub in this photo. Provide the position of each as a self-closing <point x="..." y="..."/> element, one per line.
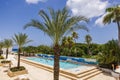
<point x="5" y="61"/>
<point x="14" y="69"/>
<point x="1" y="57"/>
<point x="110" y="54"/>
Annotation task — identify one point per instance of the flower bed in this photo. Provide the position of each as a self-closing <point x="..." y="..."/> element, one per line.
<point x="14" y="71"/>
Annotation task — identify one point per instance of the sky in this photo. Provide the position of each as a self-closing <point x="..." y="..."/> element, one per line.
<point x="14" y="14"/>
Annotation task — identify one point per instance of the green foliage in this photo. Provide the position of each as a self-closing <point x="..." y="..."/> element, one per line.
<point x="113" y="15"/>
<point x="88" y="39"/>
<point x="76" y="52"/>
<point x="82" y="46"/>
<point x="96" y="48"/>
<point x="110" y="54"/>
<point x="15" y="69"/>
<point x="1" y="45"/>
<point x="39" y="49"/>
<point x="45" y="49"/>
<point x="30" y="49"/>
<point x="67" y="42"/>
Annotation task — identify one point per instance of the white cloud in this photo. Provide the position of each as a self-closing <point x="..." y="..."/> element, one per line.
<point x="99" y="21"/>
<point x="34" y="1"/>
<point x="88" y="8"/>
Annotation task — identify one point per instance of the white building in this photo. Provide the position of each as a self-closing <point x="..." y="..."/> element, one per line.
<point x="4" y="50"/>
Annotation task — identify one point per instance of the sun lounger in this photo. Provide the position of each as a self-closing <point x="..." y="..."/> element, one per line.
<point x="116" y="75"/>
<point x="22" y="77"/>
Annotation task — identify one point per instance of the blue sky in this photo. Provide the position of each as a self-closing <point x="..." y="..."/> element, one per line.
<point x="14" y="14"/>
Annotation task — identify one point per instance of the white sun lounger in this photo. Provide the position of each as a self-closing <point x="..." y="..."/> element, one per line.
<point x="22" y="77"/>
<point x="116" y="75"/>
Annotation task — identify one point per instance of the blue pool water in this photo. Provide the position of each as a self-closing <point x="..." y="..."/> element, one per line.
<point x="15" y="50"/>
<point x="64" y="65"/>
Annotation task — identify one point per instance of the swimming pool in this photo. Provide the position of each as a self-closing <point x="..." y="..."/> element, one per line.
<point x="63" y="64"/>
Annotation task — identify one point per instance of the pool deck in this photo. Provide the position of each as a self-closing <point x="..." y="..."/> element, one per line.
<point x="35" y="73"/>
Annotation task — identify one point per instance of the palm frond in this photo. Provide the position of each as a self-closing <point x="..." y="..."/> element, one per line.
<point x="21" y="39"/>
<point x="8" y="43"/>
<point x="110" y="9"/>
<point x="108" y="18"/>
<point x="113" y="15"/>
<point x="57" y="23"/>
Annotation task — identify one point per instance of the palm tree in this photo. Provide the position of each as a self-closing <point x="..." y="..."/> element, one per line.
<point x="113" y="15"/>
<point x="55" y="25"/>
<point x="1" y="46"/>
<point x="70" y="41"/>
<point x="88" y="40"/>
<point x="75" y="36"/>
<point x="64" y="42"/>
<point x="8" y="43"/>
<point x="20" y="39"/>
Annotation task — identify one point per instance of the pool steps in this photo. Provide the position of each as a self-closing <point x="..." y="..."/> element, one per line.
<point x="83" y="75"/>
<point x="89" y="74"/>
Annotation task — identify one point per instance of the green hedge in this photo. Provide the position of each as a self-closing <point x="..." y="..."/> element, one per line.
<point x="14" y="69"/>
<point x="5" y="61"/>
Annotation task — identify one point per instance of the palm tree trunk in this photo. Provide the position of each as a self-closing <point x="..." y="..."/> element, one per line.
<point x="19" y="51"/>
<point x="118" y="33"/>
<point x="1" y="52"/>
<point x="56" y="62"/>
<point x="6" y="53"/>
<point x="89" y="49"/>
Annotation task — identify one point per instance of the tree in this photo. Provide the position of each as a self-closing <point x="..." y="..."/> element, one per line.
<point x="70" y="42"/>
<point x="20" y="39"/>
<point x="29" y="51"/>
<point x="7" y="43"/>
<point x="55" y="25"/>
<point x="75" y="35"/>
<point x="64" y="42"/>
<point x="113" y="15"/>
<point x="1" y="46"/>
<point x="110" y="54"/>
<point x="88" y="40"/>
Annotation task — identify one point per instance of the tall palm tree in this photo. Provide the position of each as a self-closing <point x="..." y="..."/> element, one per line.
<point x="1" y="46"/>
<point x="88" y="40"/>
<point x="55" y="24"/>
<point x="113" y="15"/>
<point x="20" y="39"/>
<point x="8" y="43"/>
